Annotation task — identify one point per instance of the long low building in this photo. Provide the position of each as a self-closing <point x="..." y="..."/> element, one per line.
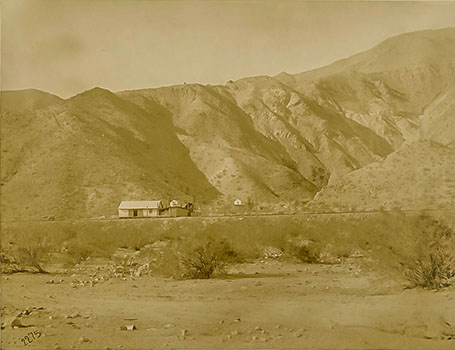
<point x="138" y="209"/>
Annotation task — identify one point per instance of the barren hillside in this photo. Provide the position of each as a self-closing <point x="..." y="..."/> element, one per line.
<point x="29" y="99"/>
<point x="266" y="139"/>
<point x="80" y="158"/>
<point x="418" y="176"/>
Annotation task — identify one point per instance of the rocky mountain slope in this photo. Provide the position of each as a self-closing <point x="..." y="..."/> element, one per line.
<point x="419" y="176"/>
<point x="82" y="157"/>
<point x="389" y="86"/>
<point x="265" y="139"/>
<point x="29" y="99"/>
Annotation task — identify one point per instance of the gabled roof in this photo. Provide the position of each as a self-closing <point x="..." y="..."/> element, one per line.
<point x="140" y="205"/>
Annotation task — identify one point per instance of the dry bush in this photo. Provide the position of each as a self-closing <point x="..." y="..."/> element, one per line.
<point x="31" y="250"/>
<point x="435" y="270"/>
<point x="197" y="256"/>
<point x="304" y="250"/>
<point x="433" y="261"/>
<point x="206" y="257"/>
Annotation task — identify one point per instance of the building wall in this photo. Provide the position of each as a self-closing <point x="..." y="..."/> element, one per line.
<point x="154" y="212"/>
<point x="123" y="213"/>
<point x="176" y="211"/>
<point x="129" y="213"/>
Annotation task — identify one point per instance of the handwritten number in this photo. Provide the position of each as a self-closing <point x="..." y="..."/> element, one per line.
<point x="27" y="340"/>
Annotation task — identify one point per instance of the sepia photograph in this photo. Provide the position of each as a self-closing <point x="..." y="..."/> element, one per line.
<point x="227" y="174"/>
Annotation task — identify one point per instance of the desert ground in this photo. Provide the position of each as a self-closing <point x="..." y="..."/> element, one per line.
<point x="266" y="303"/>
<point x="323" y="199"/>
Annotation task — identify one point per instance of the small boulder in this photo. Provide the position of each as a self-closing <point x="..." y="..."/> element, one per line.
<point x="83" y="340"/>
<point x="15" y="323"/>
<point x="129" y="327"/>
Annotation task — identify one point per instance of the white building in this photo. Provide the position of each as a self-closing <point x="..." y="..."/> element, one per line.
<point x="139" y="209"/>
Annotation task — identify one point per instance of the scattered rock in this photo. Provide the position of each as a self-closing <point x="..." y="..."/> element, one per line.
<point x="169" y="325"/>
<point x="129" y="327"/>
<point x="15" y="323"/>
<point x="272" y="253"/>
<point x="234" y="333"/>
<point x="83" y="340"/>
<point x="238" y="319"/>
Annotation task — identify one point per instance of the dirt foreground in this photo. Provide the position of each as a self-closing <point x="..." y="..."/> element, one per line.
<point x="261" y="305"/>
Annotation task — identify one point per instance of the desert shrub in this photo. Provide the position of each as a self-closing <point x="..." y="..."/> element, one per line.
<point x="304" y="250"/>
<point x="198" y="255"/>
<point x="435" y="270"/>
<point x="206" y="257"/>
<point x="31" y="250"/>
<point x="433" y="261"/>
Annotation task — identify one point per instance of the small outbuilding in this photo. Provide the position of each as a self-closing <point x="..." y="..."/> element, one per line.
<point x="178" y="211"/>
<point x="139" y="209"/>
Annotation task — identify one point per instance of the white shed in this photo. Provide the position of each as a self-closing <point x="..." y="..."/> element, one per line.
<point x="138" y="209"/>
<point x="237" y="202"/>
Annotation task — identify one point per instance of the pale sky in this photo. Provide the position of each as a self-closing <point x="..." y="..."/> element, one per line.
<point x="68" y="46"/>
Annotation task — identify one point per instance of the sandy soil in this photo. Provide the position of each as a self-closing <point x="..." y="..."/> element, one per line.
<point x="267" y="304"/>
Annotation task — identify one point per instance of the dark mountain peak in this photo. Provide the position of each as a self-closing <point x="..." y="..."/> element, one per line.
<point x="95" y="92"/>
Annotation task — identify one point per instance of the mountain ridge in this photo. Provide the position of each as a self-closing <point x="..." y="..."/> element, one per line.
<point x="262" y="139"/>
